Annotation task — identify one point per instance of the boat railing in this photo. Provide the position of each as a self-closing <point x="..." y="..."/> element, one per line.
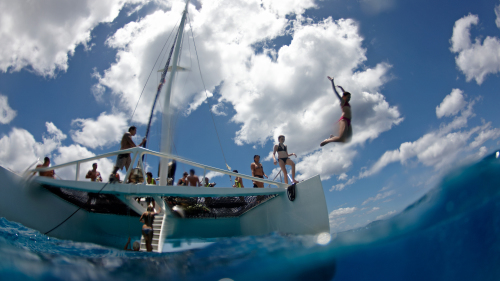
<point x="137" y="153"/>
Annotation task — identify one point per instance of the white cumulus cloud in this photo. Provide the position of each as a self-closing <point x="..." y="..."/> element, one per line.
<point x="497" y="13"/>
<point x="106" y="130"/>
<point x="337" y="218"/>
<point x="476" y="60"/>
<point x="20" y="149"/>
<point x="451" y="104"/>
<point x="440" y="148"/>
<point x="6" y="113"/>
<point x="41" y="35"/>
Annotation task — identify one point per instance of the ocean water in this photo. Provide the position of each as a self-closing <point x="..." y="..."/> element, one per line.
<point x="451" y="233"/>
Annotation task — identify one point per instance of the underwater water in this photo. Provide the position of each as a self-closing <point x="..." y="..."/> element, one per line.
<point x="451" y="233"/>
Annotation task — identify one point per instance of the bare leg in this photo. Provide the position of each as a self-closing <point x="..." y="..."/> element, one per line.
<point x="150" y="241"/>
<point x="291" y="163"/>
<point x="283" y="169"/>
<point x="342" y="134"/>
<point x="146" y="240"/>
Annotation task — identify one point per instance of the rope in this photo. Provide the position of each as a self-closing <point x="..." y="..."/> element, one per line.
<point x="210" y="105"/>
<point x="72" y="214"/>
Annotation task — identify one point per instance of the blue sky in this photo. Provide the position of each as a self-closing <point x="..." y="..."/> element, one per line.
<point x="424" y="78"/>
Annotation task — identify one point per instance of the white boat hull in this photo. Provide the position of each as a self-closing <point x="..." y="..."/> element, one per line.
<point x="35" y="207"/>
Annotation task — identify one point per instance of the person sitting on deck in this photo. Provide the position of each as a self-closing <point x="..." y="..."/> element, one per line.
<point x="46" y="163"/>
<point x="93" y="174"/>
<point x="257" y="171"/>
<point x="117" y="176"/>
<point x="193" y="179"/>
<point x="208" y="184"/>
<point x="283" y="155"/>
<point x="124" y="160"/>
<point x="238" y="182"/>
<point x="183" y="181"/>
<point x="172" y="166"/>
<point x="149" y="179"/>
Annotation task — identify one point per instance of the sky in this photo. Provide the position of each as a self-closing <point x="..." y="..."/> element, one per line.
<point x="74" y="75"/>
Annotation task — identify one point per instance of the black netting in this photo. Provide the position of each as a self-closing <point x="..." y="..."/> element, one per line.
<point x="217" y="207"/>
<point x="93" y="202"/>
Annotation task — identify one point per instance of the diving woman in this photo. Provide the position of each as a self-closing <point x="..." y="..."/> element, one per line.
<point x="345" y="129"/>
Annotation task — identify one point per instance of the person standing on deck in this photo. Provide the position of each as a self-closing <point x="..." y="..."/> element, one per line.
<point x="345" y="129"/>
<point x="124" y="160"/>
<point x="183" y="181"/>
<point x="257" y="171"/>
<point x="238" y="182"/>
<point x="192" y="179"/>
<point x="46" y="163"/>
<point x="93" y="174"/>
<point x="283" y="159"/>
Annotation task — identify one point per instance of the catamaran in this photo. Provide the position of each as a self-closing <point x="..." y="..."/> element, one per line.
<point x="108" y="213"/>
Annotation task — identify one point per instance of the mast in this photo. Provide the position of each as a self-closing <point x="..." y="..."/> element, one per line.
<point x="166" y="130"/>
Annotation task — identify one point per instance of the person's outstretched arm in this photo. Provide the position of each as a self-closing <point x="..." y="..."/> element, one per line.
<point x="333" y="86"/>
<point x="128" y="243"/>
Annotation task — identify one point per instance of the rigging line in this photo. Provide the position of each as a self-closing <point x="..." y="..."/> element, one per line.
<point x="210" y="106"/>
<point x="145" y="84"/>
<point x="73" y="213"/>
<point x="162" y="82"/>
<point x="160" y="86"/>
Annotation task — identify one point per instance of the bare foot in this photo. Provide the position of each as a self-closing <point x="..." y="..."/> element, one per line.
<point x="324" y="142"/>
<point x="294" y="181"/>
